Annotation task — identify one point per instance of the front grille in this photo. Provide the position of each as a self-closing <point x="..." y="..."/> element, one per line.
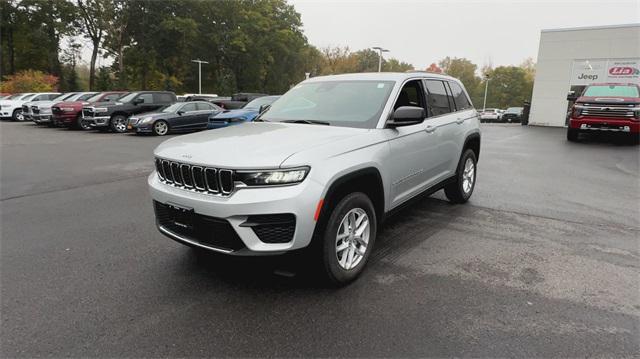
<point x="195" y="178"/>
<point x="600" y="110"/>
<point x="205" y="230"/>
<point x="87" y="112"/>
<point x="272" y="228"/>
<point x="56" y="110"/>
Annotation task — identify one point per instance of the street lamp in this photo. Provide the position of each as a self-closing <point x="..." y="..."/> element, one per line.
<point x="199" y="62"/>
<point x="380" y="51"/>
<point x="486" y="87"/>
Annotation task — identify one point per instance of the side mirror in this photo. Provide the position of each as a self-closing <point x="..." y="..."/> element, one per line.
<point x="180" y="113"/>
<point x="264" y="108"/>
<point x="137" y="101"/>
<point x="407" y="116"/>
<point x="571" y="96"/>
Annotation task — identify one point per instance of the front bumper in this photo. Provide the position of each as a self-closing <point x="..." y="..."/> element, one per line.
<point x="96" y="122"/>
<point x="136" y="125"/>
<point x="65" y="118"/>
<point x="605" y="124"/>
<point x="41" y="118"/>
<point x="300" y="200"/>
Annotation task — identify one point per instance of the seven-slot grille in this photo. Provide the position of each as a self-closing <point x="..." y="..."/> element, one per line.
<point x="599" y="110"/>
<point x="195" y="178"/>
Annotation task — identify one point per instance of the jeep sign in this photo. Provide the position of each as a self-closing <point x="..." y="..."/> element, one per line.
<point x="587" y="71"/>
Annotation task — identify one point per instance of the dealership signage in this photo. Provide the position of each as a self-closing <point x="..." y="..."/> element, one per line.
<point x="588" y="71"/>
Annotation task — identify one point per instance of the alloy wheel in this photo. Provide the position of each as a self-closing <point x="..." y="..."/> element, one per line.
<point x="468" y="175"/>
<point x="120" y="124"/>
<point x="160" y="128"/>
<point x="352" y="238"/>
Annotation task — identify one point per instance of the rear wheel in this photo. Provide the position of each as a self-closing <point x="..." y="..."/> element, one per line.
<point x="461" y="189"/>
<point x="348" y="238"/>
<point x="160" y="128"/>
<point x="118" y="123"/>
<point x="572" y="134"/>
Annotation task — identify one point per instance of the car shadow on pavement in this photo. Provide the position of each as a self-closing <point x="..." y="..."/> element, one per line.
<point x="611" y="139"/>
<point x="406" y="229"/>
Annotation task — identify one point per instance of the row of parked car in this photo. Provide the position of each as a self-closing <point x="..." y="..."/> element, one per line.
<point x="511" y="114"/>
<point x="153" y="112"/>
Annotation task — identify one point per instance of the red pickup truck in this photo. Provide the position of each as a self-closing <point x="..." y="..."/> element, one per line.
<point x="612" y="107"/>
<point x="68" y="114"/>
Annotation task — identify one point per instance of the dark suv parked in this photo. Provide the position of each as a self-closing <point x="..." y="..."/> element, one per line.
<point x="114" y="115"/>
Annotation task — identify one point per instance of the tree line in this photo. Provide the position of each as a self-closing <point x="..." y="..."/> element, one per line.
<point x="251" y="45"/>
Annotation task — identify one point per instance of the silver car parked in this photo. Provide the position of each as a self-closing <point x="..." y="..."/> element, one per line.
<point x="321" y="168"/>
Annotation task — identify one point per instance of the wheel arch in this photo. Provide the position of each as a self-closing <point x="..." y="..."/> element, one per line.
<point x="367" y="180"/>
<point x="472" y="142"/>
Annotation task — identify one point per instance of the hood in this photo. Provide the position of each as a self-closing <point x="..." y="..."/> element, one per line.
<point x="44" y="104"/>
<point x="155" y="115"/>
<point x="609" y="100"/>
<point x="76" y="104"/>
<point x="253" y="145"/>
<point x="240" y="113"/>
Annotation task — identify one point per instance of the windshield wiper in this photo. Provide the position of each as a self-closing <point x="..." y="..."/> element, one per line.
<point x="311" y="122"/>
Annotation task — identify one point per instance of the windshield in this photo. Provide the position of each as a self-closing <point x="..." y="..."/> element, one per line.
<point x="255" y="104"/>
<point x="128" y="97"/>
<point x="15" y="97"/>
<point x="612" y="91"/>
<point x="173" y="108"/>
<point x="64" y="96"/>
<point x="29" y="97"/>
<point x="514" y="109"/>
<point x="339" y="103"/>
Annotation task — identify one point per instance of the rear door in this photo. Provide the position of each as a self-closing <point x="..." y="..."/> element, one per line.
<point x="204" y="111"/>
<point x="465" y="116"/>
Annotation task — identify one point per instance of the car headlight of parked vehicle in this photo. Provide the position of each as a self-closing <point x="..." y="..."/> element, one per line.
<point x="145" y="120"/>
<point x="272" y="177"/>
<point x="100" y="109"/>
<point x="45" y="110"/>
<point x="66" y="109"/>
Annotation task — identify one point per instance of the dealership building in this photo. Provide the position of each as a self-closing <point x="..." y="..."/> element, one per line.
<point x="570" y="59"/>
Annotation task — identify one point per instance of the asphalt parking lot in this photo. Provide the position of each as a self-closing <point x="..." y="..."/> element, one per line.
<point x="543" y="261"/>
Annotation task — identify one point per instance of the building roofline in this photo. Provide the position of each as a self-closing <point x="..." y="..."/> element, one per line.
<point x="602" y="27"/>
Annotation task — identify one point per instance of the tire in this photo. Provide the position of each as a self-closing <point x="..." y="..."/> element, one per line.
<point x="461" y="189"/>
<point x="338" y="268"/>
<point x="78" y="125"/>
<point x="572" y="135"/>
<point x="118" y="123"/>
<point x="160" y="128"/>
<point x="17" y="115"/>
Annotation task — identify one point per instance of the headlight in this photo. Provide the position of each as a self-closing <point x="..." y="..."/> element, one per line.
<point x="45" y="110"/>
<point x="146" y="119"/>
<point x="270" y="178"/>
<point x="100" y="109"/>
<point x="67" y="109"/>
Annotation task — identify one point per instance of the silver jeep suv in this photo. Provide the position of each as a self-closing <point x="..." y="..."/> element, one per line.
<point x="320" y="168"/>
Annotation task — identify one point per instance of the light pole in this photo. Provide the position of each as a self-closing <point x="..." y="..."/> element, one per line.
<point x="200" y="62"/>
<point x="486" y="87"/>
<point x="380" y="51"/>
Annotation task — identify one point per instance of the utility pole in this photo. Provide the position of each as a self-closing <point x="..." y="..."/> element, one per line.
<point x="380" y="51"/>
<point x="199" y="62"/>
<point x="486" y="87"/>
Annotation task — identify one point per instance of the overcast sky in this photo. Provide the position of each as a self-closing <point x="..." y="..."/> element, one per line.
<point x="422" y="32"/>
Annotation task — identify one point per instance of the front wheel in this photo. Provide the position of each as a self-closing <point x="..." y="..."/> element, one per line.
<point x="160" y="128"/>
<point x="461" y="189"/>
<point x="118" y="123"/>
<point x="17" y="115"/>
<point x="348" y="238"/>
<point x="81" y="125"/>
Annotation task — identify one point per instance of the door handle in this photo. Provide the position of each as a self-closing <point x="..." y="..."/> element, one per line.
<point x="430" y="129"/>
<point x="460" y="121"/>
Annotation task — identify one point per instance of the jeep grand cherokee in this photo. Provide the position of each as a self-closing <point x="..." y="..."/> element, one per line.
<point x="320" y="168"/>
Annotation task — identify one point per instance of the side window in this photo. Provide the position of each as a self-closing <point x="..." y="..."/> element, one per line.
<point x="204" y="106"/>
<point x="163" y="98"/>
<point x="189" y="107"/>
<point x="112" y="97"/>
<point x="410" y="95"/>
<point x="459" y="97"/>
<point x="437" y="100"/>
<point x="146" y="98"/>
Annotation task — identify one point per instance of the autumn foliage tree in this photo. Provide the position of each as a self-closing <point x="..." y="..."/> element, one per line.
<point x="29" y="81"/>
